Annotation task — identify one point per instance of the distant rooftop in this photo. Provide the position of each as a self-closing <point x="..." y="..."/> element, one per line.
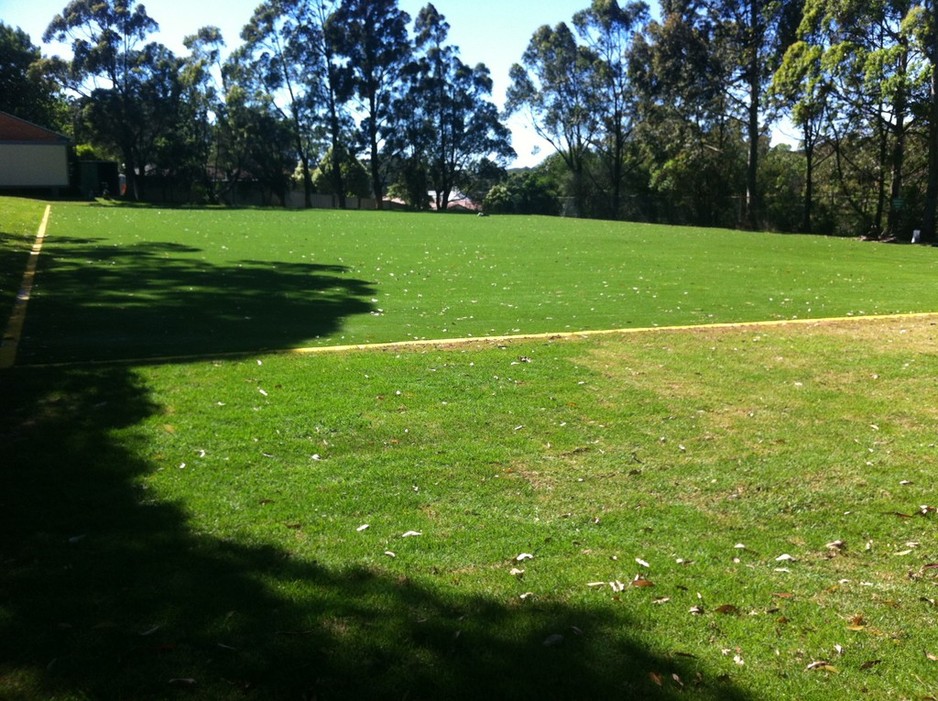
<point x="16" y="129"/>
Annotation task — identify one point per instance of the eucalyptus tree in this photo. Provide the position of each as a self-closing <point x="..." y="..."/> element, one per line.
<point x="280" y="47"/>
<point x="26" y="88"/>
<point x="879" y="75"/>
<point x="460" y="124"/>
<point x="752" y="36"/>
<point x="800" y="84"/>
<point x="556" y="85"/>
<point x="690" y="141"/>
<point x="608" y="30"/>
<point x="375" y="43"/>
<point x="107" y="62"/>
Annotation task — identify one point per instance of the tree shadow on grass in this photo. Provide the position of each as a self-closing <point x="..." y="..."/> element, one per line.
<point x="154" y="300"/>
<point x="106" y="592"/>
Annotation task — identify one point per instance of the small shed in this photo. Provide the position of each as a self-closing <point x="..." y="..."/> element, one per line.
<point x="31" y="157"/>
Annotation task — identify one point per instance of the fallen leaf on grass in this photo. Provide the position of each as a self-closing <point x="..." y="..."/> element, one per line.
<point x="837" y="545"/>
<point x="933" y="658"/>
<point x="363" y="527"/>
<point x="640" y="581"/>
<point x="726" y="609"/>
<point x="656" y="678"/>
<point x="411" y="534"/>
<point x="785" y="557"/>
<point x="389" y="553"/>
<point x="595" y="585"/>
<point x="696" y="610"/>
<point x="822" y="665"/>
<point x="183" y="682"/>
<point x="857" y="623"/>
<point x="524" y="556"/>
<point x="642" y="562"/>
<point x="515" y="572"/>
<point x="617" y="586"/>
<point x="662" y="600"/>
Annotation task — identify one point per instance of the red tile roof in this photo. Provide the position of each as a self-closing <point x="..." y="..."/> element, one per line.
<point x="16" y="129"/>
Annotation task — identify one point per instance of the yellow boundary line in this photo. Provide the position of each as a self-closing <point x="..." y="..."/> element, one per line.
<point x="14" y="330"/>
<point x="556" y="336"/>
<point x="480" y="340"/>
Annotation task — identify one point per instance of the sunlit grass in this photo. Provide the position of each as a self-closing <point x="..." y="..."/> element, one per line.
<point x="738" y="513"/>
<point x="131" y="283"/>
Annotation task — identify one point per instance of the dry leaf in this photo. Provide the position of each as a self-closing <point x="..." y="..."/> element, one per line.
<point x="515" y="572"/>
<point x="617" y="586"/>
<point x="696" y="610"/>
<point x="726" y="608"/>
<point x="640" y="581"/>
<point x="595" y="585"/>
<point x="662" y="600"/>
<point x="524" y="556"/>
<point x="642" y="562"/>
<point x="389" y="553"/>
<point x="785" y="557"/>
<point x="411" y="534"/>
<point x="656" y="678"/>
<point x="933" y="658"/>
<point x="738" y="660"/>
<point x="526" y="595"/>
<point x="836" y="545"/>
<point x="363" y="527"/>
<point x="822" y="665"/>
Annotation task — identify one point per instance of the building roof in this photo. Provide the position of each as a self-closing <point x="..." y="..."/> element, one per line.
<point x="20" y="131"/>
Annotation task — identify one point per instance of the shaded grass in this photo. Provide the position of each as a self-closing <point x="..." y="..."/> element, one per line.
<point x="129" y="283"/>
<point x="201" y="520"/>
<point x="19" y="221"/>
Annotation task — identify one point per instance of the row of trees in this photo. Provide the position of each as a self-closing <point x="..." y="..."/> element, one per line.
<point x="664" y="119"/>
<point x="317" y="88"/>
<point x="669" y="119"/>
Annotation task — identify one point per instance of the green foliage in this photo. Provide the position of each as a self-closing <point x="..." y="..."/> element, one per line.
<point x="524" y="192"/>
<point x="27" y="90"/>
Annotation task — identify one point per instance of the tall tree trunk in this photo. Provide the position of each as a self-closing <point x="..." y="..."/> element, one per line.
<point x="931" y="190"/>
<point x="751" y="214"/>
<point x="898" y="156"/>
<point x="808" y="180"/>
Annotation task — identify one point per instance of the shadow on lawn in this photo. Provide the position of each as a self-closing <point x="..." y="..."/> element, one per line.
<point x="107" y="593"/>
<point x="153" y="300"/>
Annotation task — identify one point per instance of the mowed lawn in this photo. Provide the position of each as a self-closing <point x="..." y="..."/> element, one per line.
<point x="126" y="283"/>
<point x="743" y="513"/>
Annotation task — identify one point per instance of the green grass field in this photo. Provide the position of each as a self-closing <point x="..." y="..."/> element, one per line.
<point x="126" y="283"/>
<point x="719" y="513"/>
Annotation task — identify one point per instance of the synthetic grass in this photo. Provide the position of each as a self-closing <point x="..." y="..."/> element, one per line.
<point x="202" y="525"/>
<point x="124" y="283"/>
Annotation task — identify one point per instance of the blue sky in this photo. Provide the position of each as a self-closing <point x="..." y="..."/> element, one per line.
<point x="494" y="32"/>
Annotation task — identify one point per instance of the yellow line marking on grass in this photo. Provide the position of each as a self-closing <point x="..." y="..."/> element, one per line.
<point x="480" y="340"/>
<point x="554" y="335"/>
<point x="11" y="337"/>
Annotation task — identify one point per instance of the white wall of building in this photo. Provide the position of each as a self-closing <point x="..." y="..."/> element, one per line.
<point x="33" y="165"/>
